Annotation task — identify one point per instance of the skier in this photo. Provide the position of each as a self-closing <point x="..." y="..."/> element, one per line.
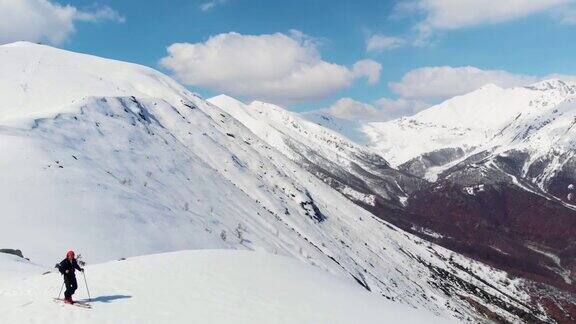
<point x="67" y="268"/>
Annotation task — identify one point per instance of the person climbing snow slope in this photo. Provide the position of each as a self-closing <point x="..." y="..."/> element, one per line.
<point x="67" y="268"/>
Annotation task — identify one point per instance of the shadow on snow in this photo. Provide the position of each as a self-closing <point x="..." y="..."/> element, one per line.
<point x="107" y="299"/>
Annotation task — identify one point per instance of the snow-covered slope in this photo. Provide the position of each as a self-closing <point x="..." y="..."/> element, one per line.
<point x="475" y="142"/>
<point x="14" y="267"/>
<point x="503" y="161"/>
<point x="281" y="128"/>
<point x="354" y="170"/>
<point x="351" y="129"/>
<point x="36" y="82"/>
<point x="272" y="122"/>
<point x="116" y="160"/>
<point x="546" y="136"/>
<point x="465" y="121"/>
<point x="209" y="286"/>
<point x="533" y="126"/>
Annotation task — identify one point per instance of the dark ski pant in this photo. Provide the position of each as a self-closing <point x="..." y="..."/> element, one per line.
<point x="71" y="285"/>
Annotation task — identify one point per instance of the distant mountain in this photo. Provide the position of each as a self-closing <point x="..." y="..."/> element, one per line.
<point x="357" y="172"/>
<point x="455" y="218"/>
<point x="118" y="160"/>
<point x="513" y="152"/>
<point x="474" y="121"/>
<point x="501" y="171"/>
<point x="350" y="129"/>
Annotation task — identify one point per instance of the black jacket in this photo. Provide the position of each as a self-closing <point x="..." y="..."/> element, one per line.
<point x="70" y="266"/>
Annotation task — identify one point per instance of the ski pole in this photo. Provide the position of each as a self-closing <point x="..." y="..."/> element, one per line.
<point x="60" y="290"/>
<point x="86" y="282"/>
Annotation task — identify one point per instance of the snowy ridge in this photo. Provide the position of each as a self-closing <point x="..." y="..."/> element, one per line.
<point x="354" y="170"/>
<point x="466" y="121"/>
<point x="271" y="123"/>
<point x="484" y="172"/>
<point x="519" y="145"/>
<point x="40" y="81"/>
<point x="127" y="162"/>
<point x="348" y="128"/>
<point x="540" y="137"/>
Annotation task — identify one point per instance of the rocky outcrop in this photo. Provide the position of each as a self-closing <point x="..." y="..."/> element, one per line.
<point x="13" y="252"/>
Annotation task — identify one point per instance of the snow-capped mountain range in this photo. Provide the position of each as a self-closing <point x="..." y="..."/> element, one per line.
<point x="501" y="170"/>
<point x="475" y="173"/>
<point x="523" y="138"/>
<point x="119" y="160"/>
<point x="490" y="118"/>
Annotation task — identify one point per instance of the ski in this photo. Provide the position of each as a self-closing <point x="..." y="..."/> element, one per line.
<point x="81" y="304"/>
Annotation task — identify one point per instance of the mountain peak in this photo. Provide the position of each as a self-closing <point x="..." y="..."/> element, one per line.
<point x="489" y="86"/>
<point x="265" y="107"/>
<point x="44" y="80"/>
<point x="224" y="97"/>
<point x="23" y="43"/>
<point x="31" y="47"/>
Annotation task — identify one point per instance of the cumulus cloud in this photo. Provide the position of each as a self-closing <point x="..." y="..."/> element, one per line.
<point x="99" y="13"/>
<point x="395" y="108"/>
<point x="381" y="110"/>
<point x="46" y="21"/>
<point x="442" y="82"/>
<point x="443" y="15"/>
<point x="369" y="69"/>
<point x="376" y="43"/>
<point x="350" y="109"/>
<point x="278" y="68"/>
<point x="453" y="14"/>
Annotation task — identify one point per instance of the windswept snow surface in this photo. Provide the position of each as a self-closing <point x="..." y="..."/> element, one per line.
<point x="209" y="286"/>
<point x="14" y="267"/>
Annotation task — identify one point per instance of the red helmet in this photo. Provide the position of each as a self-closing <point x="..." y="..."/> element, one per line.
<point x="70" y="254"/>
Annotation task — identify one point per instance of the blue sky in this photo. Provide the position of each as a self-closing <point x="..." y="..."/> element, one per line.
<point x="508" y="44"/>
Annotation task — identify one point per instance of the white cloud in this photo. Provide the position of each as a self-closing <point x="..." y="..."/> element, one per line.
<point x="277" y="68"/>
<point x="100" y="13"/>
<point x="350" y="109"/>
<point x="369" y="69"/>
<point x="381" y="110"/>
<point x="453" y="14"/>
<point x="442" y="15"/>
<point x="209" y="5"/>
<point x="45" y="21"/>
<point x="395" y="108"/>
<point x="379" y="43"/>
<point x="442" y="82"/>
